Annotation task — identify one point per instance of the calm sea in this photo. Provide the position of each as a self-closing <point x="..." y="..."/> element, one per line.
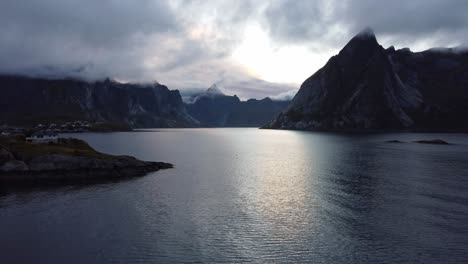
<point x="249" y="195"/>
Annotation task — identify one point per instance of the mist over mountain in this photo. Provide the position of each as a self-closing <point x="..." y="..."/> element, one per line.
<point x="28" y="101"/>
<point x="286" y="96"/>
<point x="215" y="109"/>
<point x="367" y="87"/>
<point x="192" y="96"/>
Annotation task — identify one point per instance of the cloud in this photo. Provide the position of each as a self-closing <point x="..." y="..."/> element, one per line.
<point x="300" y="21"/>
<point x="332" y="23"/>
<point x="190" y="43"/>
<point x="286" y="96"/>
<point x="231" y="78"/>
<point x="102" y="37"/>
<point x="182" y="44"/>
<point x="411" y="18"/>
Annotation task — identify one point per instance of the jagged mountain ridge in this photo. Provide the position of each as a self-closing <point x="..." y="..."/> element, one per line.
<point x="27" y="101"/>
<point x="215" y="109"/>
<point x="367" y="87"/>
<point x="211" y="92"/>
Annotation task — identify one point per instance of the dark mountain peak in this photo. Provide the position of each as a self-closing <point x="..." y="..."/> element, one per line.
<point x="368" y="87"/>
<point x="214" y="90"/>
<point x="366" y="33"/>
<point x="405" y="50"/>
<point x="359" y="51"/>
<point x="364" y="40"/>
<point x="390" y="49"/>
<point x="210" y="93"/>
<point x="107" y="82"/>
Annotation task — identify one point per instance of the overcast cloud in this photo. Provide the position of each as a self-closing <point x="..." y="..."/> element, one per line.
<point x="249" y="48"/>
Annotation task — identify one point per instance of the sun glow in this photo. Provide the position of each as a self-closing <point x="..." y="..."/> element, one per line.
<point x="281" y="64"/>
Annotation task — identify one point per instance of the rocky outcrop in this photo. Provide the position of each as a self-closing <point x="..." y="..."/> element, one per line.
<point x="433" y="142"/>
<point x="367" y="87"/>
<point x="76" y="162"/>
<point x="69" y="168"/>
<point x="13" y="166"/>
<point x="5" y="155"/>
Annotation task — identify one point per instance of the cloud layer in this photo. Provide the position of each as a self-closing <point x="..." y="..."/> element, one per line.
<point x="192" y="44"/>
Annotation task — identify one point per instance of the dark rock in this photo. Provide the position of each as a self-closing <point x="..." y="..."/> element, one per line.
<point x="73" y="159"/>
<point x="5" y="156"/>
<point x="433" y="141"/>
<point x="394" y="141"/>
<point x="69" y="168"/>
<point x="14" y="166"/>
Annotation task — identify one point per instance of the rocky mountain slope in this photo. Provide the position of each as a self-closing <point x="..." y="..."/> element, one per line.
<point x="367" y="87"/>
<point x="215" y="109"/>
<point x="27" y="101"/>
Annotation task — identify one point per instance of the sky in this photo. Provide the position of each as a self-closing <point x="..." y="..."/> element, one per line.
<point x="252" y="48"/>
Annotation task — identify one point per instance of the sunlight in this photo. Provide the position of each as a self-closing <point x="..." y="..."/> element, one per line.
<point x="285" y="64"/>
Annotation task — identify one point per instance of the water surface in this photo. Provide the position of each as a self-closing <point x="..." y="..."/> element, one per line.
<point x="249" y="195"/>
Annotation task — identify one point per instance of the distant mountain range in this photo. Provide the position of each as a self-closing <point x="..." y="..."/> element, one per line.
<point x="364" y="87"/>
<point x="215" y="109"/>
<point x="367" y="87"/>
<point x="28" y="101"/>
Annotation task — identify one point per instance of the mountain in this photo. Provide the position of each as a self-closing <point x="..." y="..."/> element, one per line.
<point x="367" y="87"/>
<point x="211" y="92"/>
<point x="215" y="109"/>
<point x="28" y="101"/>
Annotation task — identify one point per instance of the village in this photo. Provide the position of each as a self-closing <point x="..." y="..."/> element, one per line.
<point x="48" y="133"/>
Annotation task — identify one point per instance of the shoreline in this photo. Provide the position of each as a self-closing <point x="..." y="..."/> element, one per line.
<point x="67" y="160"/>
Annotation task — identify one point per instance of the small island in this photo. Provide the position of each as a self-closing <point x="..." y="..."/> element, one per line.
<point x="433" y="141"/>
<point x="394" y="141"/>
<point x="424" y="141"/>
<point x="65" y="159"/>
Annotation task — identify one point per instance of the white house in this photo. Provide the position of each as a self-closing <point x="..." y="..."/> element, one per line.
<point x="43" y="138"/>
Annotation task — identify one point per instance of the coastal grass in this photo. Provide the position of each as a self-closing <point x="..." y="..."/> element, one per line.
<point x="25" y="150"/>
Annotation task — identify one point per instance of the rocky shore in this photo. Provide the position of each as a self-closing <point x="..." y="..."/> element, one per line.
<point x="66" y="160"/>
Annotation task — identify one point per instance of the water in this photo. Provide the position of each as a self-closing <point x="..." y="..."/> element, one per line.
<point x="249" y="195"/>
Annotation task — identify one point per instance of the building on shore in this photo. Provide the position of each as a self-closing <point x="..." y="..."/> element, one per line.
<point x="43" y="137"/>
